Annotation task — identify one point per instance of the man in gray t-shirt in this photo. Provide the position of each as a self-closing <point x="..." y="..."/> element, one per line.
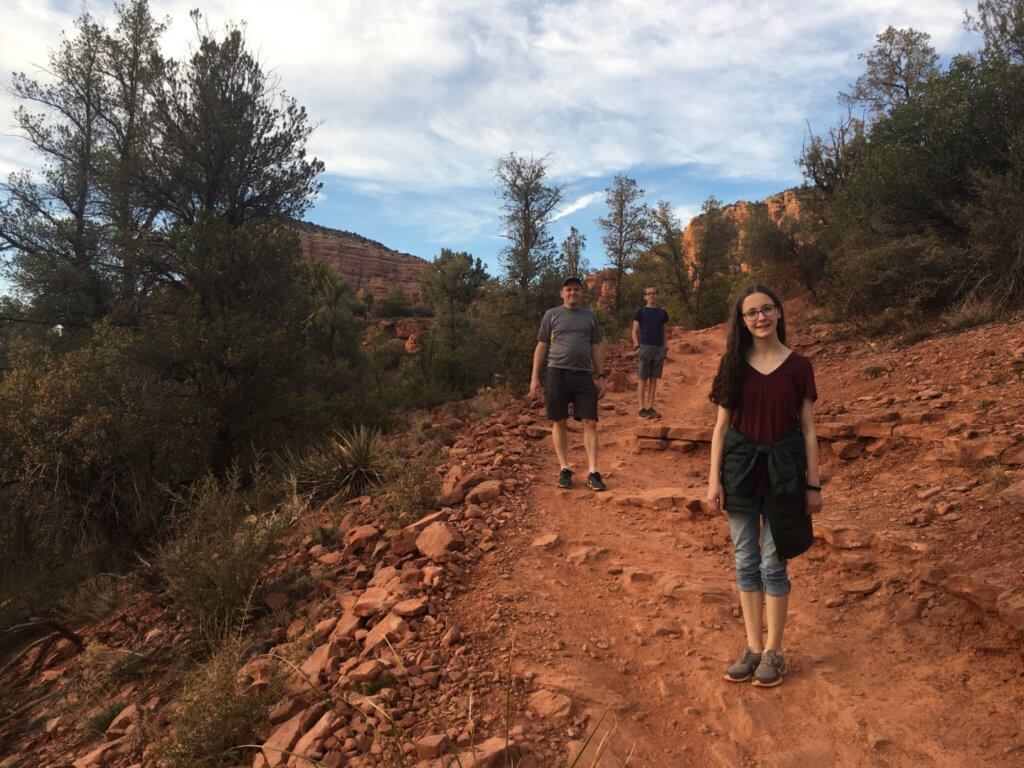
<point x="569" y="337"/>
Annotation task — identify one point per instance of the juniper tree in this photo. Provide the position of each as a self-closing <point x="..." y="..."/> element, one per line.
<point x="625" y="229"/>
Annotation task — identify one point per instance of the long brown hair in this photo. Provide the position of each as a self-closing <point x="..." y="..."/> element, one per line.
<point x="725" y="391"/>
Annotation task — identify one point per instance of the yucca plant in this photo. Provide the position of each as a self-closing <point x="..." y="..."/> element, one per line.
<point x="344" y="466"/>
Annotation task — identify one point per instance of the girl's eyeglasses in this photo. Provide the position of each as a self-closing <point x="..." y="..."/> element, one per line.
<point x="768" y="310"/>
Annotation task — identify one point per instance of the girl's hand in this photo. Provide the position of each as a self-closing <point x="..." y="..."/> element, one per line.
<point x="716" y="495"/>
<point x="813" y="502"/>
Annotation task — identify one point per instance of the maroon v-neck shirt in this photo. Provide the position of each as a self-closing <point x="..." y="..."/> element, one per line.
<point x="770" y="404"/>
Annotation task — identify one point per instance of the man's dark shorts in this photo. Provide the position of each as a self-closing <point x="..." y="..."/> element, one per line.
<point x="562" y="387"/>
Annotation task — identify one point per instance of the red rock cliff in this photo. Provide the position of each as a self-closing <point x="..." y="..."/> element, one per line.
<point x="367" y="265"/>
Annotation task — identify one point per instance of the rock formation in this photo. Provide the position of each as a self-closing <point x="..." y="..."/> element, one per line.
<point x="367" y="265"/>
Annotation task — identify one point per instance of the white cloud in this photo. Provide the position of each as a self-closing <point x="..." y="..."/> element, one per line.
<point x="578" y="205"/>
<point x="426" y="94"/>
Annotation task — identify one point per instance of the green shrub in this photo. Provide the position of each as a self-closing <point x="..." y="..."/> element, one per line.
<point x="99" y="722"/>
<point x="211" y="567"/>
<point x="344" y="466"/>
<point x="214" y="716"/>
<point x="412" y="488"/>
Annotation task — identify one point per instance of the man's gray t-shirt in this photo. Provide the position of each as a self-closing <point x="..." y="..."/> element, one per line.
<point x="570" y="332"/>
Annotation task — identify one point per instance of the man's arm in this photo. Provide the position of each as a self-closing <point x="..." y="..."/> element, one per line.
<point x="598" y="357"/>
<point x="539" y="353"/>
<point x="636" y="333"/>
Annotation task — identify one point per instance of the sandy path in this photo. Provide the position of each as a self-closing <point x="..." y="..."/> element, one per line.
<point x="633" y="611"/>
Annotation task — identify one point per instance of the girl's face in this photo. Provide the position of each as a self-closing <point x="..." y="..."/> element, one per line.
<point x="760" y="315"/>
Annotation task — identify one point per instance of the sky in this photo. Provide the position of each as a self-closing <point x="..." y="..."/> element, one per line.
<point x="417" y="99"/>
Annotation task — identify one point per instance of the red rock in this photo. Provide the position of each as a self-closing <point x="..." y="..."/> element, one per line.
<point x="319" y="663"/>
<point x="536" y="431"/>
<point x="862" y="588"/>
<point x="127" y="720"/>
<point x="430" y="747"/>
<point x="346" y="628"/>
<point x="546" y="541"/>
<point x="368" y="266"/>
<point x="390" y="629"/>
<point x="360" y="536"/>
<point x="367" y="672"/>
<point x="1013" y="456"/>
<point x="848" y="449"/>
<point x="1014" y="495"/>
<point x="384" y="577"/>
<point x="983" y="450"/>
<point x="486" y="491"/>
<point x="330" y="558"/>
<point x="311" y="740"/>
<point x="438" y="541"/>
<point x="275" y="748"/>
<point x="972" y="588"/>
<point x="428" y="520"/>
<point x="410" y="608"/>
<point x="1010" y="606"/>
<point x="551" y="705"/>
<point x="492" y="753"/>
<point x="653" y="431"/>
<point x="834" y="430"/>
<point x="98" y="756"/>
<point x="373" y="601"/>
<point x="873" y="429"/>
<point x="842" y="537"/>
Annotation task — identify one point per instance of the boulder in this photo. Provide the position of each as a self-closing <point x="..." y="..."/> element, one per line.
<point x="390" y="629"/>
<point x="551" y="706"/>
<point x="438" y="541"/>
<point x="311" y="740"/>
<point x="373" y="601"/>
<point x="488" y="490"/>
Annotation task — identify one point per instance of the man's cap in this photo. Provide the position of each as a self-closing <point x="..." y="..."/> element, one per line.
<point x="572" y="281"/>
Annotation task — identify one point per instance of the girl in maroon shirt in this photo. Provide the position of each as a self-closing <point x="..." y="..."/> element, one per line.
<point x="762" y="389"/>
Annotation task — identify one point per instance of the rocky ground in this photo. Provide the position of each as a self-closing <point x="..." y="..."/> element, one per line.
<point x="522" y="625"/>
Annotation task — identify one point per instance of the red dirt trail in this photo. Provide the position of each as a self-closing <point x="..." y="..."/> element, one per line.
<point x="632" y="611"/>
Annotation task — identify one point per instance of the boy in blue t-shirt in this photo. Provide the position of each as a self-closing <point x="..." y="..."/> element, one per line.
<point x="649" y="340"/>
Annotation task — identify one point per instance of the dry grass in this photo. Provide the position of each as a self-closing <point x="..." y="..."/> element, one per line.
<point x="211" y="568"/>
<point x="213" y="715"/>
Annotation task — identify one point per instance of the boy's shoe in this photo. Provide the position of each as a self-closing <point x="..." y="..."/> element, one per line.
<point x="769" y="671"/>
<point x="644" y="413"/>
<point x="653" y="414"/>
<point x="743" y="668"/>
<point x="565" y="478"/>
<point x="594" y="482"/>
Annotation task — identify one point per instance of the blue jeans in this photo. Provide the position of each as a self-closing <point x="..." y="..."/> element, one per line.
<point x="758" y="568"/>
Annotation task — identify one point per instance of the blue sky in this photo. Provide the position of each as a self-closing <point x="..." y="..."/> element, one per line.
<point x="418" y="98"/>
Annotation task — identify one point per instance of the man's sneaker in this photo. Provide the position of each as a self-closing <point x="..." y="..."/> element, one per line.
<point x="769" y="671"/>
<point x="594" y="482"/>
<point x="644" y="413"/>
<point x="565" y="478"/>
<point x="653" y="414"/>
<point x="743" y="669"/>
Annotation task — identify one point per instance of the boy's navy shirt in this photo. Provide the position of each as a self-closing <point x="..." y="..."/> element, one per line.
<point x="652" y="325"/>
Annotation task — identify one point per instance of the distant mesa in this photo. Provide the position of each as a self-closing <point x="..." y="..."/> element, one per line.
<point x="367" y="265"/>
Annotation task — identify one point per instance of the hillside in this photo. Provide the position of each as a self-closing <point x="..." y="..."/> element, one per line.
<point x="368" y="266"/>
<point x="522" y="612"/>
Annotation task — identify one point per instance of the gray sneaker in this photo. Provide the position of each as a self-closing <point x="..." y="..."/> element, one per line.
<point x="743" y="669"/>
<point x="770" y="670"/>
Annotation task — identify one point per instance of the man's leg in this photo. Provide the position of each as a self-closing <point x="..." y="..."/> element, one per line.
<point x="589" y="442"/>
<point x="652" y="388"/>
<point x="560" y="437"/>
<point x="641" y="393"/>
